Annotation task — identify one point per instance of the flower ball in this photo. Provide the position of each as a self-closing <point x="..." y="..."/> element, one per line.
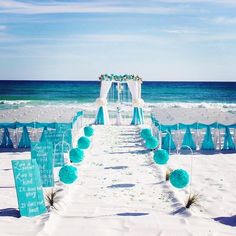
<point x="161" y="157"/>
<point x="68" y="174"/>
<point x="83" y="142"/>
<point x="76" y="155"/>
<point x="145" y="133"/>
<point x="88" y="131"/>
<point x="151" y="142"/>
<point x="179" y="178"/>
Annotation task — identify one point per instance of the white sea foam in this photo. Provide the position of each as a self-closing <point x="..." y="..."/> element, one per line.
<point x="14" y="102"/>
<point x="152" y="105"/>
<point x="191" y="105"/>
<point x="112" y="106"/>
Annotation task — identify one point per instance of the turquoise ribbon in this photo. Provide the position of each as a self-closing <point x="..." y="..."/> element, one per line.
<point x="100" y="117"/>
<point x="137" y="116"/>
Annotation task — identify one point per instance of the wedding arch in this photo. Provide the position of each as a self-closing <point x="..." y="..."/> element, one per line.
<point x="134" y="85"/>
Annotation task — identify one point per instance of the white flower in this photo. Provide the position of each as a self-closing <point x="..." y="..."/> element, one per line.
<point x="101" y="101"/>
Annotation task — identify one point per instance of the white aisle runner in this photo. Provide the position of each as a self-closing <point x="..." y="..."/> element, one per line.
<point x="119" y="192"/>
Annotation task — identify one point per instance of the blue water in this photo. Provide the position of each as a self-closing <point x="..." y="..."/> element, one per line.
<point x="38" y="92"/>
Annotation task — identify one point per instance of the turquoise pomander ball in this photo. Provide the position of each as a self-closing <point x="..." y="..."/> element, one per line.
<point x="76" y="155"/>
<point x="161" y="157"/>
<point x="179" y="178"/>
<point x="146" y="133"/>
<point x="151" y="142"/>
<point x="83" y="142"/>
<point x="88" y="131"/>
<point x="68" y="174"/>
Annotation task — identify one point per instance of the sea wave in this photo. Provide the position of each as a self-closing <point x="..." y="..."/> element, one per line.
<point x="14" y="102"/>
<point x="8" y="104"/>
<point x="191" y="105"/>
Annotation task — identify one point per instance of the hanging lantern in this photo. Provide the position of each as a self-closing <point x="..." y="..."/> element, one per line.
<point x="68" y="174"/>
<point x="145" y="133"/>
<point x="76" y="155"/>
<point x="161" y="157"/>
<point x="83" y="143"/>
<point x="88" y="131"/>
<point x="179" y="178"/>
<point x="151" y="142"/>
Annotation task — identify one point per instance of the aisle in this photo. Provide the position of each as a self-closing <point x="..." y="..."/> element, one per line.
<point x="119" y="191"/>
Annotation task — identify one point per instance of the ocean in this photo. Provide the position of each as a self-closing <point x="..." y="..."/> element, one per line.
<point x="20" y="93"/>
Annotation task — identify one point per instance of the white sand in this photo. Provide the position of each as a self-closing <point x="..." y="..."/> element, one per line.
<point x="120" y="191"/>
<point x="39" y="113"/>
<point x="195" y="114"/>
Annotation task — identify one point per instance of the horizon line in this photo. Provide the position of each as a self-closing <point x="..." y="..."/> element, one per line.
<point x="195" y="81"/>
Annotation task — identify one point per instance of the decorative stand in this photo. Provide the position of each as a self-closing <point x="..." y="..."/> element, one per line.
<point x="118" y="116"/>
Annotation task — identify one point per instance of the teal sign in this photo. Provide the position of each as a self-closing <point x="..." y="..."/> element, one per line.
<point x="61" y="134"/>
<point x="58" y="155"/>
<point x="28" y="187"/>
<point x="42" y="152"/>
<point x="61" y="139"/>
<point x="66" y="133"/>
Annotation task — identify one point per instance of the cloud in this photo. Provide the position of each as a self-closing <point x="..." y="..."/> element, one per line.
<point x="225" y="2"/>
<point x="216" y="38"/>
<point x="181" y="36"/>
<point x="182" y="31"/>
<point x="196" y="35"/>
<point x="225" y="20"/>
<point x="16" y="7"/>
<point x="3" y="27"/>
<point x="120" y="38"/>
<point x="3" y="35"/>
<point x="84" y="39"/>
<point x="4" y="38"/>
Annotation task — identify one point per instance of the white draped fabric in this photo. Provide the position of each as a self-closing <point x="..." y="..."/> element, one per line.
<point x="134" y="89"/>
<point x="139" y="90"/>
<point x="105" y="87"/>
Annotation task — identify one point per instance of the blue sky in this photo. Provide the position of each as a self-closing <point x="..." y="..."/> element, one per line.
<point x="156" y="39"/>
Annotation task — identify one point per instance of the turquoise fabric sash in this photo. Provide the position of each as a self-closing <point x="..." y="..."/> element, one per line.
<point x="25" y="139"/>
<point x="42" y="138"/>
<point x="142" y="115"/>
<point x="208" y="143"/>
<point x="191" y="126"/>
<point x="52" y="125"/>
<point x="188" y="140"/>
<point x="137" y="116"/>
<point x="228" y="140"/>
<point x="168" y="142"/>
<point x="6" y="140"/>
<point x="100" y="117"/>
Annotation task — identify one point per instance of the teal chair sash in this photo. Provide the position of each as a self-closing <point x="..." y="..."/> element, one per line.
<point x="188" y="140"/>
<point x="208" y="143"/>
<point x="25" y="139"/>
<point x="168" y="142"/>
<point x="43" y="138"/>
<point x="100" y="117"/>
<point x="6" y="140"/>
<point x="228" y="140"/>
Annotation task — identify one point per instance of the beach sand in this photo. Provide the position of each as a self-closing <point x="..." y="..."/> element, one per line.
<point x="120" y="191"/>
